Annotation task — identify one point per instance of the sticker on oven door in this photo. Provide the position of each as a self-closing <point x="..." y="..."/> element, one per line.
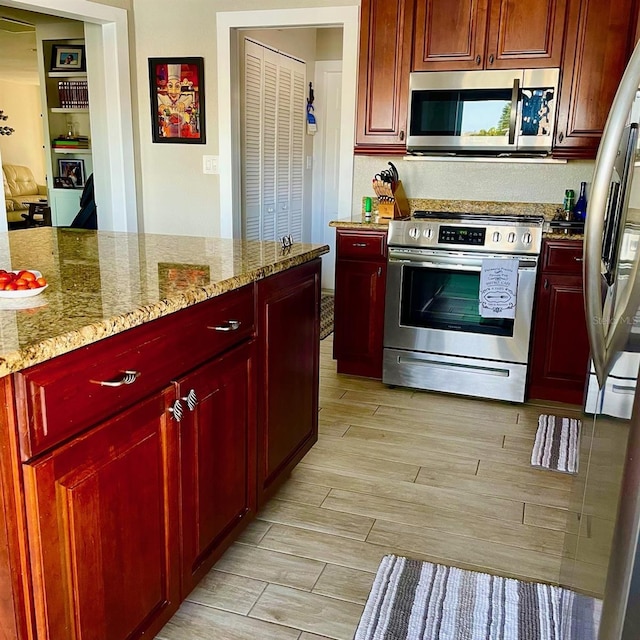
<point x="498" y="286"/>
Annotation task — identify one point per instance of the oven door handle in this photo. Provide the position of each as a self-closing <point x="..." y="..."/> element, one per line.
<point x="525" y="265"/>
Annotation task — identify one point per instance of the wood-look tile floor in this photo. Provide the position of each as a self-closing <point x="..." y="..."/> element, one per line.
<point x="435" y="477"/>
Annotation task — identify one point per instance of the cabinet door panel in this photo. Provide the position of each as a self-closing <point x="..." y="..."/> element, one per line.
<point x="359" y="317"/>
<point x="289" y="325"/>
<point x="561" y="346"/>
<point x="383" y="77"/>
<point x="103" y="534"/>
<point x="218" y="457"/>
<point x="525" y="34"/>
<point x="594" y="60"/>
<point x="449" y="35"/>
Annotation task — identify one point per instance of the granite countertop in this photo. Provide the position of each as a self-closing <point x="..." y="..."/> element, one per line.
<point x="102" y="283"/>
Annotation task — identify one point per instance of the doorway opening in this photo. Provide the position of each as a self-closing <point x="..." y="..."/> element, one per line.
<point x="230" y="26"/>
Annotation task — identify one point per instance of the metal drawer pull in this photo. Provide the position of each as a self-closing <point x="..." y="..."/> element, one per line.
<point x="577" y="259"/>
<point x="229" y="325"/>
<point x="359" y="244"/>
<point x="191" y="399"/>
<point x="128" y="377"/>
<point x="177" y="410"/>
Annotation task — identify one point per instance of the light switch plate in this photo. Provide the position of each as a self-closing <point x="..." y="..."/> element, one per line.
<point x="210" y="165"/>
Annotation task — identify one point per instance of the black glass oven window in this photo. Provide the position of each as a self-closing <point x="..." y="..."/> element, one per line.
<point x="471" y="112"/>
<point x="437" y="299"/>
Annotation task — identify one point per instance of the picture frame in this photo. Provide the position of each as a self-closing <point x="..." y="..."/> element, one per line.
<point x="68" y="57"/>
<point x="177" y="100"/>
<point x="71" y="173"/>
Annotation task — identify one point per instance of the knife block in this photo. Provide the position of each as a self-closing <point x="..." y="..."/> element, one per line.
<point x="397" y="209"/>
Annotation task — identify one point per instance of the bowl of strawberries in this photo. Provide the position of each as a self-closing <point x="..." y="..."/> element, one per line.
<point x="22" y="283"/>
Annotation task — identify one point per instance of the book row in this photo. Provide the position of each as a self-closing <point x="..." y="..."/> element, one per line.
<point x="73" y="94"/>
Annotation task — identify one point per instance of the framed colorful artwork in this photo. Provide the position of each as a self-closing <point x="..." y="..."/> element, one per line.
<point x="177" y="100"/>
<point x="71" y="173"/>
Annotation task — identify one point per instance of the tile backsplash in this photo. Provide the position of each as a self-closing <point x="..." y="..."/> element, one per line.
<point x="474" y="180"/>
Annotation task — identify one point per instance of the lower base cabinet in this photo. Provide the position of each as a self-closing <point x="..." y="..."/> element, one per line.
<point x="218" y="458"/>
<point x="289" y="339"/>
<point x="103" y="528"/>
<point x="560" y="350"/>
<point x="109" y="522"/>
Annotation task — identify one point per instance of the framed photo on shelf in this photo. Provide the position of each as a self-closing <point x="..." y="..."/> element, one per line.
<point x="177" y="100"/>
<point x="68" y="57"/>
<point x="71" y="172"/>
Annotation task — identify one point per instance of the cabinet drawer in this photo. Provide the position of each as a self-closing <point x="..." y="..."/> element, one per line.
<point x="354" y="245"/>
<point x="74" y="391"/>
<point x="562" y="256"/>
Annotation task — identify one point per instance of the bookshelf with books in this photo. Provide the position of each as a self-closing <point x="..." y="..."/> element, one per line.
<point x="67" y="121"/>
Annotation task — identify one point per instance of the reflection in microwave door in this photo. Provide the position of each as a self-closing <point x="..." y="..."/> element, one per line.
<point x="536" y="111"/>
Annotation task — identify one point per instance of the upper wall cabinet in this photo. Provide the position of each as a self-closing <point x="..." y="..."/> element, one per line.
<point x="594" y="60"/>
<point x="383" y="75"/>
<point x="488" y="34"/>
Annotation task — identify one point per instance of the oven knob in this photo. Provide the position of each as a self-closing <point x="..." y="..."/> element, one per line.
<point x="428" y="233"/>
<point x="526" y="238"/>
<point x="414" y="233"/>
<point x="496" y="236"/>
<point x="511" y="237"/>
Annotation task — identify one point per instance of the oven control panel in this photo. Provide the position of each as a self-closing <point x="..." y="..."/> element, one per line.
<point x="461" y="235"/>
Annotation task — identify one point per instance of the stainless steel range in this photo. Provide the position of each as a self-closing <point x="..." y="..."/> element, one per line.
<point x="435" y="337"/>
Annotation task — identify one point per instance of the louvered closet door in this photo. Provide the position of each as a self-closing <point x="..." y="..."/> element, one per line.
<point x="273" y="144"/>
<point x="252" y="143"/>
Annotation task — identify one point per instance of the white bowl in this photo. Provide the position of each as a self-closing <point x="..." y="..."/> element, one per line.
<point x="26" y="293"/>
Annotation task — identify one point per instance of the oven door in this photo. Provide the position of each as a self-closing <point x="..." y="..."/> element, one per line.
<point x="432" y="306"/>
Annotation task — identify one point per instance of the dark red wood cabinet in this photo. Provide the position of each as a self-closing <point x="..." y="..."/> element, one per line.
<point x="560" y="348"/>
<point x="361" y="273"/>
<point x="289" y="355"/>
<point x="103" y="528"/>
<point x="111" y="515"/>
<point x="600" y="38"/>
<point x="487" y="34"/>
<point x="383" y="76"/>
<point x="218" y="458"/>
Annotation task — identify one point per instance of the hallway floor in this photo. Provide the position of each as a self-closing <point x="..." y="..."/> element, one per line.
<point x="435" y="477"/>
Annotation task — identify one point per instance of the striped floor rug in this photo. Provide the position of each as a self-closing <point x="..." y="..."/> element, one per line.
<point x="412" y="600"/>
<point x="326" y="315"/>
<point x="557" y="444"/>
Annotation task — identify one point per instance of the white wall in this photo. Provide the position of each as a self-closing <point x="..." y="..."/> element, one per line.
<point x="177" y="197"/>
<point x="21" y="102"/>
<point x="329" y="43"/>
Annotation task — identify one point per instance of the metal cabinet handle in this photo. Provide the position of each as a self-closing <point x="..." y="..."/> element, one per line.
<point x="491" y="59"/>
<point x="578" y="259"/>
<point x="478" y="59"/>
<point x="229" y="325"/>
<point x="379" y="272"/>
<point x="359" y="244"/>
<point x="560" y="137"/>
<point x="191" y="399"/>
<point x="401" y="136"/>
<point x="177" y="410"/>
<point x="128" y="377"/>
<point x="546" y="283"/>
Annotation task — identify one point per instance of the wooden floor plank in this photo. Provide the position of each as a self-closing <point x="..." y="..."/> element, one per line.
<point x="294" y="491"/>
<point x="310" y="612"/>
<point x="344" y="583"/>
<point x="227" y="591"/>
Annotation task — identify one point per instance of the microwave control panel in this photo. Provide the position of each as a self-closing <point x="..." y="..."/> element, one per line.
<point x="461" y="235"/>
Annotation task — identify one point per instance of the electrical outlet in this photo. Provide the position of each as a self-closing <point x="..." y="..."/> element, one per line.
<point x="210" y="165"/>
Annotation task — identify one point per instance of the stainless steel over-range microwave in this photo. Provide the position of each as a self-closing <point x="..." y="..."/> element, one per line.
<point x="483" y="112"/>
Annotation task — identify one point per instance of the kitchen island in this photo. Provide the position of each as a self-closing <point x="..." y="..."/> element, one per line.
<point x="154" y="396"/>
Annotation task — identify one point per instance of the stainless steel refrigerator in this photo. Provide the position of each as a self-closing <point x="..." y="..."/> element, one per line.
<point x="602" y="552"/>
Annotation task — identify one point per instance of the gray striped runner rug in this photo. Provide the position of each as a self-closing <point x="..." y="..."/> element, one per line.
<point x="413" y="600"/>
<point x="557" y="444"/>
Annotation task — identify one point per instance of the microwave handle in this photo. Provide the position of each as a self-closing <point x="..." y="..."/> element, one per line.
<point x="515" y="97"/>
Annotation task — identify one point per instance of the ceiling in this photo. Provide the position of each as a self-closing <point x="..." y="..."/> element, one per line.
<point x="18" y="61"/>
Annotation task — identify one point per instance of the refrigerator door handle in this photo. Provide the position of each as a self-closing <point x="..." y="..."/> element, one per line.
<point x="602" y="333"/>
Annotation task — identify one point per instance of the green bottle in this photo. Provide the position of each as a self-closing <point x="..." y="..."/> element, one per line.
<point x="569" y="201"/>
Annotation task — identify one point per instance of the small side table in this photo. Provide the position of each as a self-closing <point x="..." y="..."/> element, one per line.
<point x="39" y="214"/>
